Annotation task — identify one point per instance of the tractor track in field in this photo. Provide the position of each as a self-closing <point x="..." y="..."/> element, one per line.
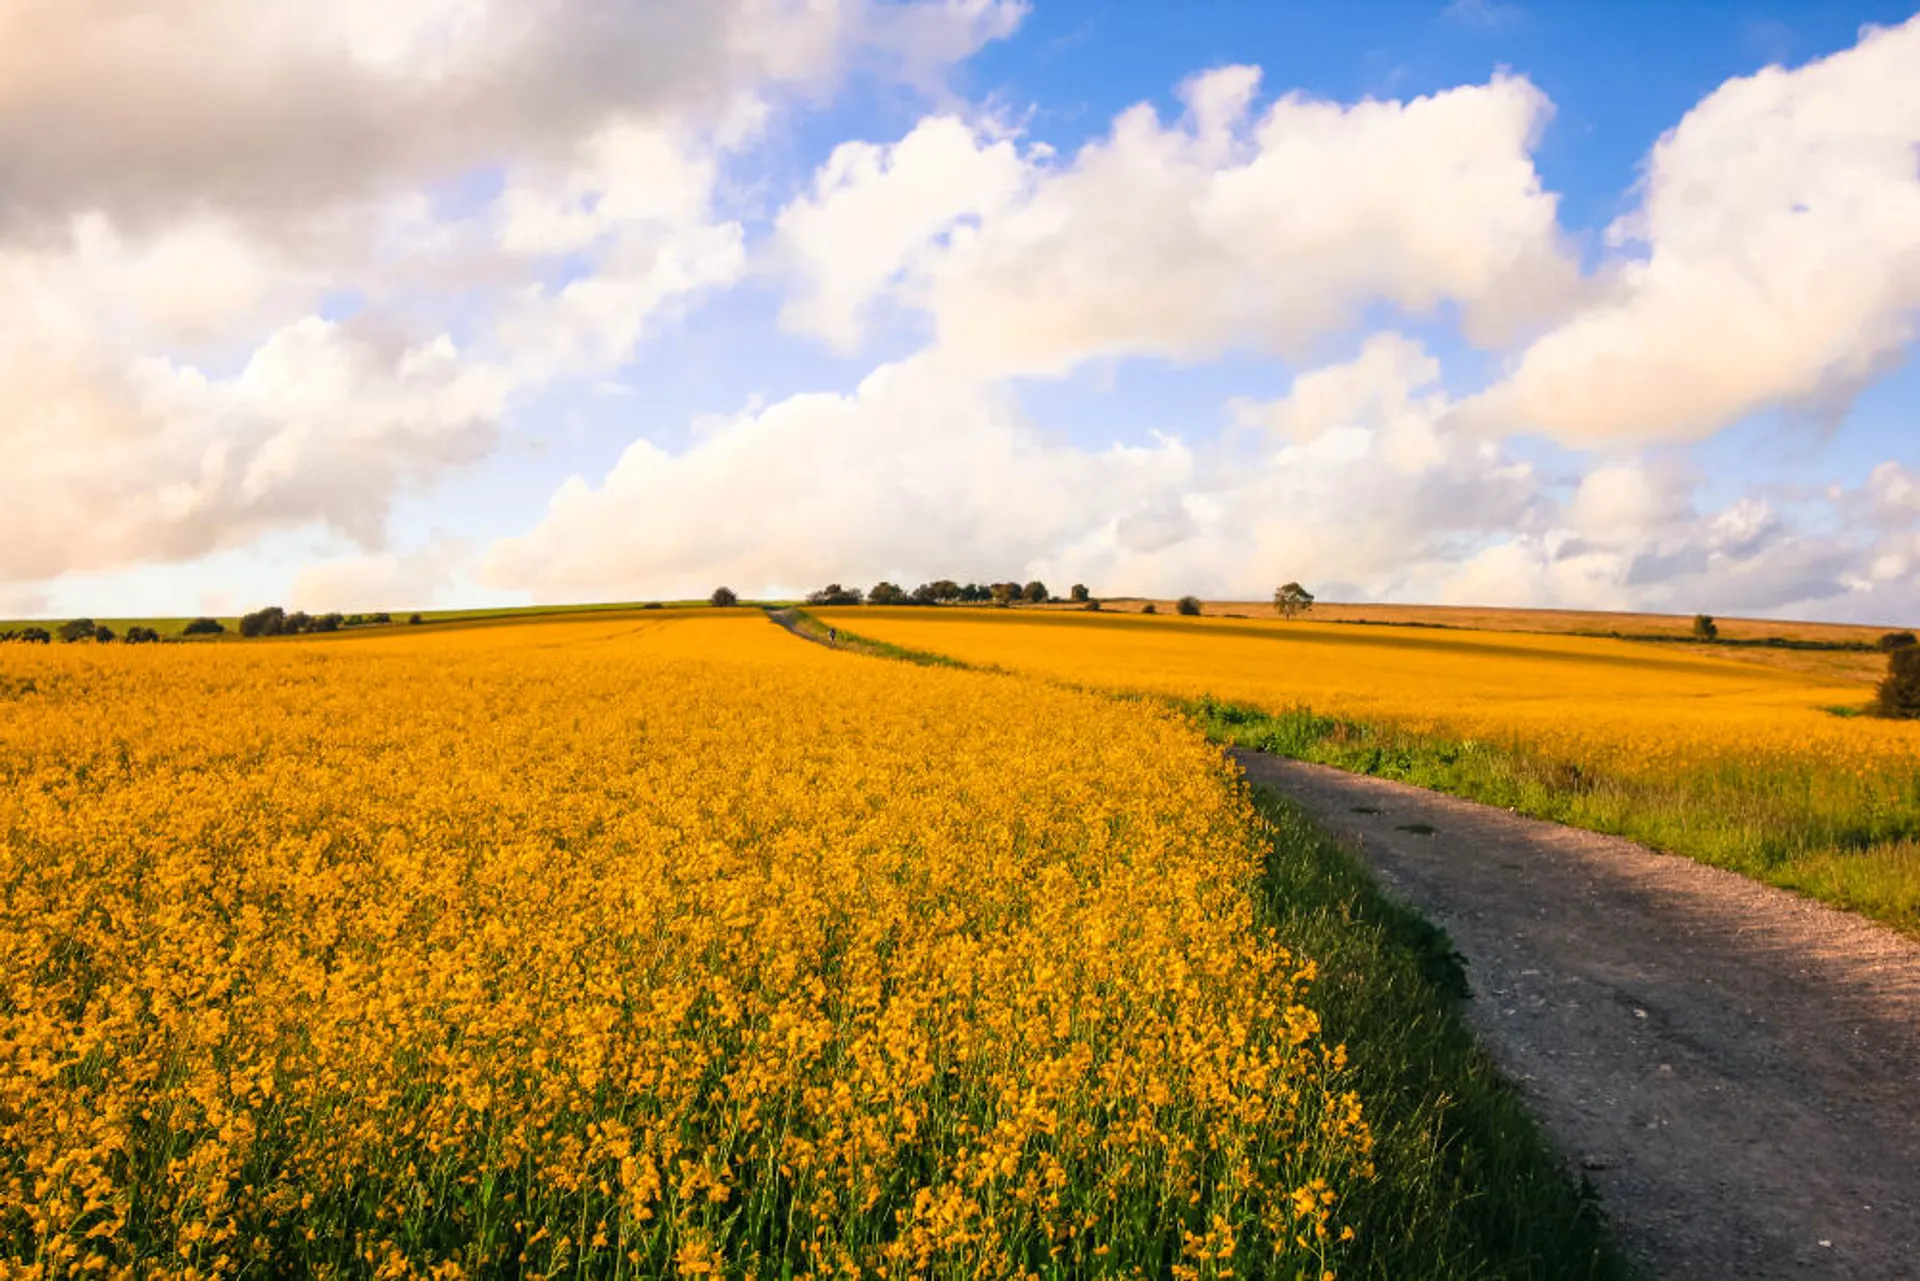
<point x="1735" y="1068"/>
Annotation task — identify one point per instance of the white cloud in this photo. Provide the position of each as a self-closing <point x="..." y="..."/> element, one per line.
<point x="924" y="472"/>
<point x="143" y="459"/>
<point x="916" y="468"/>
<point x="1892" y="495"/>
<point x="637" y="203"/>
<point x="1634" y="538"/>
<point x="1391" y="384"/>
<point x="874" y="209"/>
<point x="381" y="581"/>
<point x="1781" y="229"/>
<point x="272" y="111"/>
<point x="1224" y="230"/>
<point x="1625" y="499"/>
<point x="185" y="198"/>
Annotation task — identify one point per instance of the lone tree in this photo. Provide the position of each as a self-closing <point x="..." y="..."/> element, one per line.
<point x="1895" y="640"/>
<point x="723" y="597"/>
<point x="1900" y="690"/>
<point x="1078" y="593"/>
<point x="75" y="630"/>
<point x="1291" y="600"/>
<point x="1187" y="605"/>
<point x="1704" y="628"/>
<point x="1036" y="593"/>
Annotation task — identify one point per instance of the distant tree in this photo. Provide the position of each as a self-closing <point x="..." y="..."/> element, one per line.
<point x="1093" y="605"/>
<point x="203" y="627"/>
<point x="298" y="621"/>
<point x="270" y="621"/>
<point x="975" y="593"/>
<point x="1187" y="605"/>
<point x="414" y="619"/>
<point x="35" y="636"/>
<point x="1895" y="640"/>
<point x="1704" y="628"/>
<point x="76" y="629"/>
<point x="1006" y="593"/>
<point x="1291" y="600"/>
<point x="1149" y="608"/>
<point x="381" y="617"/>
<point x="723" y="597"/>
<point x="835" y="594"/>
<point x="137" y="635"/>
<point x="102" y="634"/>
<point x="1036" y="592"/>
<point x="326" y="623"/>
<point x="945" y="589"/>
<point x="1078" y="593"/>
<point x="1899" y="692"/>
<point x="885" y="593"/>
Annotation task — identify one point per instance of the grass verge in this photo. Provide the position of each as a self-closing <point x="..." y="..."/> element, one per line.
<point x="1778" y="829"/>
<point x="806" y="626"/>
<point x="1468" y="1187"/>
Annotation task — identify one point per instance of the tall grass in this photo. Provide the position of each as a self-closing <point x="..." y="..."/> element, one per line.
<point x="1467" y="1186"/>
<point x="1779" y="820"/>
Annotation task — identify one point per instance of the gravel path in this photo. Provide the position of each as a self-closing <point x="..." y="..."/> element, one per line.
<point x="1736" y="1068"/>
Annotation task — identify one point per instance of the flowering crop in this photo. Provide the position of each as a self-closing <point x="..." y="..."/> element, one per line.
<point x="1738" y="763"/>
<point x="1628" y="706"/>
<point x="638" y="946"/>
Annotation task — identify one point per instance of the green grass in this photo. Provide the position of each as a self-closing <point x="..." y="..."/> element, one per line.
<point x="1467" y="1187"/>
<point x="485" y="614"/>
<point x="805" y="625"/>
<point x="165" y="626"/>
<point x="1791" y="828"/>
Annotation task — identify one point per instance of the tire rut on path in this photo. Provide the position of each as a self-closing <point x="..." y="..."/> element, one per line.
<point x="1734" y="1067"/>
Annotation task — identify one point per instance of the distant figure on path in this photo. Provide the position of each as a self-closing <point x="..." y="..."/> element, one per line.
<point x="833" y="635"/>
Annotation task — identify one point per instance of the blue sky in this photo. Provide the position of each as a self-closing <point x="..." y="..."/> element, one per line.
<point x="837" y="294"/>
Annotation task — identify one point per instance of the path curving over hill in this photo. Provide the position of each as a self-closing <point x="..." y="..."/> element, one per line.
<point x="1736" y="1068"/>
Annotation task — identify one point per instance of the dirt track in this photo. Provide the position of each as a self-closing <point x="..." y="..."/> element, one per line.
<point x="1736" y="1068"/>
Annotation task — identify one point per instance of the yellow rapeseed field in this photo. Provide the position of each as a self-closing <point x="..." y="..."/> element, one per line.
<point x="1738" y="763"/>
<point x="663" y="946"/>
<point x="1627" y="705"/>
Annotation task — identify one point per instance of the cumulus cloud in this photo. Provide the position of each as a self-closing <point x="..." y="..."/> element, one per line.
<point x="1774" y="259"/>
<point x="1634" y="536"/>
<point x="637" y="204"/>
<point x="1229" y="228"/>
<point x="915" y="468"/>
<point x="874" y="209"/>
<point x="379" y="581"/>
<point x="110" y="464"/>
<point x="232" y="266"/>
<point x="924" y="471"/>
<point x="144" y="114"/>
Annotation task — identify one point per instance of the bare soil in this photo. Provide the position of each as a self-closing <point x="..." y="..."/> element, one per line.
<point x="1735" y="1068"/>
